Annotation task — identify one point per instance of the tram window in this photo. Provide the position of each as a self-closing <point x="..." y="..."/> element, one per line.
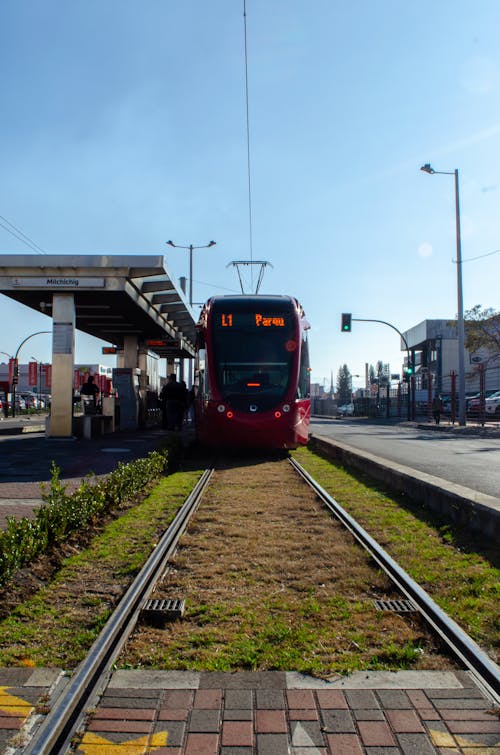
<point x="254" y="377"/>
<point x="252" y="350"/>
<point x="304" y="386"/>
<point x="203" y="386"/>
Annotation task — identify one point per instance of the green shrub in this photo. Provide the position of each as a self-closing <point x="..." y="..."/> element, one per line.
<point x="62" y="514"/>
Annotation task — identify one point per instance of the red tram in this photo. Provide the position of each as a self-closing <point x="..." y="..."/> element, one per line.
<point x="252" y="380"/>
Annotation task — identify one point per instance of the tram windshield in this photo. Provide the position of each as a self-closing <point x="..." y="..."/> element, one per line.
<point x="254" y="350"/>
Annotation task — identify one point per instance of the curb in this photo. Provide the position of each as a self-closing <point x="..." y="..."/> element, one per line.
<point x="21" y="429"/>
<point x="466" y="508"/>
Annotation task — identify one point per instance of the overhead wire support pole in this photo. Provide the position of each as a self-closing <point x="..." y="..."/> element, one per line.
<point x="410" y="362"/>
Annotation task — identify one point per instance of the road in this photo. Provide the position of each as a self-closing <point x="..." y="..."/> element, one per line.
<point x="464" y="459"/>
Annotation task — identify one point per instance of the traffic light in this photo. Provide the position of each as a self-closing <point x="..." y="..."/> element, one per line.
<point x="346" y="322"/>
<point x="408" y="372"/>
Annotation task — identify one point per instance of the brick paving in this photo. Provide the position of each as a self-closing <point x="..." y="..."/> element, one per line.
<point x="185" y="714"/>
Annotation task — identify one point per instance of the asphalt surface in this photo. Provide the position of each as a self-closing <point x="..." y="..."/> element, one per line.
<point x="468" y="456"/>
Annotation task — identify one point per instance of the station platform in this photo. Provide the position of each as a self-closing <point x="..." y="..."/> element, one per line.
<point x="263" y="713"/>
<point x="26" y="458"/>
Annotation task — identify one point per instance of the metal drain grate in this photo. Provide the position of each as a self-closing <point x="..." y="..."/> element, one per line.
<point x="157" y="613"/>
<point x="397" y="606"/>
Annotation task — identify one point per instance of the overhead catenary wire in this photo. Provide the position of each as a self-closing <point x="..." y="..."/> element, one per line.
<point x="248" y="137"/>
<point x="18" y="234"/>
<point x="480" y="256"/>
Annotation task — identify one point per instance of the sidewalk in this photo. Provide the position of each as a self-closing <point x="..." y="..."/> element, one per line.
<point x="490" y="429"/>
<point x="26" y="458"/>
<point x="264" y="713"/>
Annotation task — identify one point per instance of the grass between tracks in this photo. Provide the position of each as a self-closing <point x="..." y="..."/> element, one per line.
<point x="58" y="624"/>
<point x="275" y="587"/>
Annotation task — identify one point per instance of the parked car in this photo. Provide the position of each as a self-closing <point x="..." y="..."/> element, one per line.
<point x="473" y="403"/>
<point x="447" y="404"/>
<point x="492" y="405"/>
<point x="347" y="410"/>
<point x="30" y="399"/>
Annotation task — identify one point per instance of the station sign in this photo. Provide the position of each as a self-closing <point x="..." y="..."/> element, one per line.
<point x="58" y="281"/>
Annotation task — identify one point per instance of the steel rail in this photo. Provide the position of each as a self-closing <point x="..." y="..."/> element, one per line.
<point x="55" y="734"/>
<point x="485" y="671"/>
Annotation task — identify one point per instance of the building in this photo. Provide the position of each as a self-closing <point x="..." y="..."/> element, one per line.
<point x="433" y="346"/>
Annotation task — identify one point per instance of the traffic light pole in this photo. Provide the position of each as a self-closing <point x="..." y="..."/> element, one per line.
<point x="411" y="388"/>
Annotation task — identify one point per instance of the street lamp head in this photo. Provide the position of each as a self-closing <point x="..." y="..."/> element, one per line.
<point x="170" y="243"/>
<point x="212" y="243"/>
<point x="427" y="168"/>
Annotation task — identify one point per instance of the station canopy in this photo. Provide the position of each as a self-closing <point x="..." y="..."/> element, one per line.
<point x="115" y="296"/>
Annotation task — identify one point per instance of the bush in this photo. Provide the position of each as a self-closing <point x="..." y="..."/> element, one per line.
<point x="61" y="514"/>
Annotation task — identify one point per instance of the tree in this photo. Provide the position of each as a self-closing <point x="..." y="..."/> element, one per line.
<point x="344" y="385"/>
<point x="482" y="331"/>
<point x="379" y="375"/>
<point x="383" y="373"/>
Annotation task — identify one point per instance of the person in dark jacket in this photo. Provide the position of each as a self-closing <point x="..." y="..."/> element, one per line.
<point x="437" y="408"/>
<point x="172" y="404"/>
<point x="90" y="389"/>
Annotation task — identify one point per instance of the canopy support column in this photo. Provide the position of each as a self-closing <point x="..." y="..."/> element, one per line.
<point x="63" y="361"/>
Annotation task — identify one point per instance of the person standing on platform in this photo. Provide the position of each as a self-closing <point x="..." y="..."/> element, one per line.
<point x="171" y="403"/>
<point x="90" y="389"/>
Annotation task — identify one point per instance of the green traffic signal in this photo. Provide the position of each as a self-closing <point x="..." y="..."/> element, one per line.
<point x="346" y="322"/>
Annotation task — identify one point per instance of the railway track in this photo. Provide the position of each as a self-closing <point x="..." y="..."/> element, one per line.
<point x="89" y="681"/>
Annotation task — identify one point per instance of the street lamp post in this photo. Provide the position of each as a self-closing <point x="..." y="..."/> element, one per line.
<point x="39" y="382"/>
<point x="191" y="247"/>
<point x="16" y="367"/>
<point x="460" y="302"/>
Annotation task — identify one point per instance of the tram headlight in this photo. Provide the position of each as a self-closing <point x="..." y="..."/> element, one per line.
<point x="286" y="407"/>
<point x="221" y="408"/>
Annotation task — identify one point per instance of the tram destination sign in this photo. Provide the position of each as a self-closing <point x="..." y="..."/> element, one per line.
<point x="256" y="319"/>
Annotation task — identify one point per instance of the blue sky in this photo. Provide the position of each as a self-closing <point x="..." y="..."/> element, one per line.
<point x="124" y="125"/>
